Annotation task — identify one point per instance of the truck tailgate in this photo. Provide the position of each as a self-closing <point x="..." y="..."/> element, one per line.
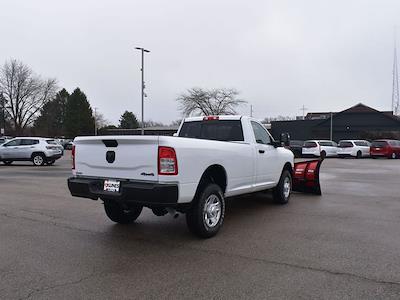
<point x="122" y="157"/>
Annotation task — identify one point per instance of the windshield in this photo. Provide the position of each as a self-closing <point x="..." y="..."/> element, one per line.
<point x="220" y="130"/>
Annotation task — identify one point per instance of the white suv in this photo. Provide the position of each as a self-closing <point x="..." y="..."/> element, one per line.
<point x="355" y="148"/>
<point x="319" y="148"/>
<point x="38" y="150"/>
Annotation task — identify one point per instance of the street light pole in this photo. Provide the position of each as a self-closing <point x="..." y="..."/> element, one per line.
<point x="3" y="115"/>
<point x="95" y="121"/>
<point x="143" y="86"/>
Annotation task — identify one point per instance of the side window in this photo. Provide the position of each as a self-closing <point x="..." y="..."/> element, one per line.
<point x="34" y="142"/>
<point x="26" y="142"/>
<point x="261" y="135"/>
<point x="13" y="143"/>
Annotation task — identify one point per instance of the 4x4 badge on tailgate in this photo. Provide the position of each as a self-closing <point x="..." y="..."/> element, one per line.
<point x="110" y="156"/>
<point x="147" y="174"/>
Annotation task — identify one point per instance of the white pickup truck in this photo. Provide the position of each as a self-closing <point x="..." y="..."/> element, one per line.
<point x="210" y="158"/>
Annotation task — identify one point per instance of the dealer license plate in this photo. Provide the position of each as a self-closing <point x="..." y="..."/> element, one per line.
<point x="111" y="186"/>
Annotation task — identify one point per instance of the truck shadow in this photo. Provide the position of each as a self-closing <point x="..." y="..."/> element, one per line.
<point x="149" y="227"/>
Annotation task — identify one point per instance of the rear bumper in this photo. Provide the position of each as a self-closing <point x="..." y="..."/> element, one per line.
<point x="54" y="157"/>
<point x="143" y="193"/>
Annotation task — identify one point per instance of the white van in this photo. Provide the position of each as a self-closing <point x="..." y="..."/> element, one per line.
<point x="353" y="148"/>
<point x="319" y="148"/>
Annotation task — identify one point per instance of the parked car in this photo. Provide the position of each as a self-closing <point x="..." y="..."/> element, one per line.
<point x="353" y="148"/>
<point x="296" y="147"/>
<point x="68" y="145"/>
<point x="319" y="148"/>
<point x="385" y="148"/>
<point x="4" y="139"/>
<point x="210" y="159"/>
<point x="38" y="150"/>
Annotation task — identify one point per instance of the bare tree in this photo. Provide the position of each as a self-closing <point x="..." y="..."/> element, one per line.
<point x="197" y="101"/>
<point x="100" y="120"/>
<point x="25" y="93"/>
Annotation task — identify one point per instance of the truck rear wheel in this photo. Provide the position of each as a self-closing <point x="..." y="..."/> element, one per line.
<point x="118" y="214"/>
<point x="281" y="192"/>
<point x="206" y="215"/>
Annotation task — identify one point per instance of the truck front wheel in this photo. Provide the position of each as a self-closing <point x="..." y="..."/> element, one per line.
<point x="206" y="215"/>
<point x="120" y="215"/>
<point x="282" y="191"/>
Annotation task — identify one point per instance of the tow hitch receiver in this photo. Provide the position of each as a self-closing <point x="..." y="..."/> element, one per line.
<point x="306" y="176"/>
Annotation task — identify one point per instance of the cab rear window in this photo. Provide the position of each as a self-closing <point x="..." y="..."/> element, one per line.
<point x="220" y="130"/>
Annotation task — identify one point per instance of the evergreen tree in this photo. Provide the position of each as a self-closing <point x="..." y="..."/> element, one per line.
<point x="78" y="115"/>
<point x="52" y="116"/>
<point x="128" y="121"/>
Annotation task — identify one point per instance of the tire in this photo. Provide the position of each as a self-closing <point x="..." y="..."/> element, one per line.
<point x="206" y="214"/>
<point x="116" y="213"/>
<point x="323" y="154"/>
<point x="359" y="154"/>
<point x="281" y="192"/>
<point x="393" y="156"/>
<point x="7" y="162"/>
<point x="50" y="162"/>
<point x="38" y="159"/>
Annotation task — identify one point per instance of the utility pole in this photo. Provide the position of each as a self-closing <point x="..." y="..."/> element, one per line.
<point x="3" y="114"/>
<point x="143" y="86"/>
<point x="251" y="110"/>
<point x="395" y="86"/>
<point x="303" y="108"/>
<point x="95" y="121"/>
<point x="331" y="131"/>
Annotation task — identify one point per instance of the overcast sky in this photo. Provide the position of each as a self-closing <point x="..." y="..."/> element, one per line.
<point x="327" y="55"/>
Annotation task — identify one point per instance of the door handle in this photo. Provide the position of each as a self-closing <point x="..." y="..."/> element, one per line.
<point x="261" y="151"/>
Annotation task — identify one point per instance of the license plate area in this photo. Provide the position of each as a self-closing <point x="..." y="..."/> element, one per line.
<point x="111" y="185"/>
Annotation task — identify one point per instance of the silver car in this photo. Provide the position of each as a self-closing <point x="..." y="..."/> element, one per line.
<point x="40" y="151"/>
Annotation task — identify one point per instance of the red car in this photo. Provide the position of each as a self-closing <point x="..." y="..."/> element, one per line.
<point x="385" y="148"/>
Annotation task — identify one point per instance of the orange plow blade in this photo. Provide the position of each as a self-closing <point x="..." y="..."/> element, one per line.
<point x="306" y="176"/>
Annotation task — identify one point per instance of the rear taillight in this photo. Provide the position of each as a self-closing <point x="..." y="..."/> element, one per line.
<point x="167" y="162"/>
<point x="73" y="157"/>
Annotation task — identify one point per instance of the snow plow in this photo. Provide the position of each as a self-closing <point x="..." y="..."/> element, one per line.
<point x="306" y="176"/>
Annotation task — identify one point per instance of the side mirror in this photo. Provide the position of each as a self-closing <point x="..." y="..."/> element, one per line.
<point x="285" y="139"/>
<point x="175" y="134"/>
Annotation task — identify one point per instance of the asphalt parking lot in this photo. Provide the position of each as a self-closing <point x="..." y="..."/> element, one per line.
<point x="342" y="245"/>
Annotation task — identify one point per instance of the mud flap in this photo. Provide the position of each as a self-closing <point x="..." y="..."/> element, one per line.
<point x="306" y="176"/>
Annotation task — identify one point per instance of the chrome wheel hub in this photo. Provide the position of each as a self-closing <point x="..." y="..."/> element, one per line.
<point x="212" y="211"/>
<point x="38" y="160"/>
<point x="287" y="186"/>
